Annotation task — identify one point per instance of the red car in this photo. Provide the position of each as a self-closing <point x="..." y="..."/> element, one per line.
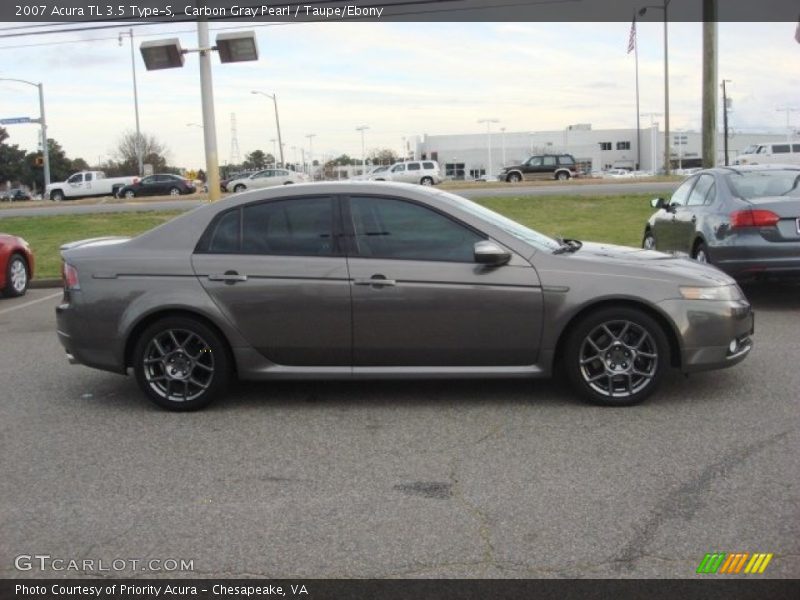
<point x="16" y="265"/>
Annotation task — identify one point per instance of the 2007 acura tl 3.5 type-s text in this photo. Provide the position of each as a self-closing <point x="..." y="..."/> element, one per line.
<point x="384" y="280"/>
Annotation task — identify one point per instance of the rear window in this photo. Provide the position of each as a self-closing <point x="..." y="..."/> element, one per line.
<point x="760" y="184"/>
<point x="780" y="149"/>
<point x="429" y="165"/>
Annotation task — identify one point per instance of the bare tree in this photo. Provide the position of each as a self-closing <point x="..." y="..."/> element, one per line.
<point x="152" y="151"/>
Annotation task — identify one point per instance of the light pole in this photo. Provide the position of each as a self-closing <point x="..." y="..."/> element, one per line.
<point x="138" y="145"/>
<point x="642" y="11"/>
<point x="274" y="153"/>
<point x="725" y="118"/>
<point x="43" y="122"/>
<point x="274" y="98"/>
<point x="653" y="138"/>
<point x="488" y="143"/>
<point x="503" y="138"/>
<point x="311" y="137"/>
<point x="788" y="110"/>
<point x="362" y="129"/>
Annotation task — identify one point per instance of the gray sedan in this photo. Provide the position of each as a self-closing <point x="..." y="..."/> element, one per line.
<point x="365" y="280"/>
<point x="744" y="220"/>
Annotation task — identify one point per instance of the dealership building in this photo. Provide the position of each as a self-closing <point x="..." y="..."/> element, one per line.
<point x="466" y="156"/>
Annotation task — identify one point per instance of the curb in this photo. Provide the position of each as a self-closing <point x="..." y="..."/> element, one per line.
<point x="44" y="283"/>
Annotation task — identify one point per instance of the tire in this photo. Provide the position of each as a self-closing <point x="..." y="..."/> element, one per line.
<point x="700" y="253"/>
<point x="288" y="183"/>
<point x="562" y="175"/>
<point x="648" y="241"/>
<point x="17" y="276"/>
<point x="129" y="194"/>
<point x="426" y="181"/>
<point x="514" y="178"/>
<point x="181" y="364"/>
<point x="56" y="195"/>
<point x="174" y="192"/>
<point x="616" y="356"/>
<point x="239" y="188"/>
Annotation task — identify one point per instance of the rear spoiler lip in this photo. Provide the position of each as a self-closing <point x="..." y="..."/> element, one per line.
<point x="99" y="241"/>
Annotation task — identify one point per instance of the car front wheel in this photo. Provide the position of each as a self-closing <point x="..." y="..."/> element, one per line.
<point x="616" y="356"/>
<point x="239" y="188"/>
<point x="16" y="276"/>
<point x="129" y="194"/>
<point x="181" y="364"/>
<point x="649" y="242"/>
<point x="701" y="253"/>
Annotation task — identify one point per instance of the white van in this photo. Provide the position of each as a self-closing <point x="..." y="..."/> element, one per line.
<point x="787" y="153"/>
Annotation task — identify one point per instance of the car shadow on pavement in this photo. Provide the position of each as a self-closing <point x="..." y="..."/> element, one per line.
<point x="773" y="295"/>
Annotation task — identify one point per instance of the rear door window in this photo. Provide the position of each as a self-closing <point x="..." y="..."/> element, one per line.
<point x="681" y="195"/>
<point x="295" y="227"/>
<point x="413" y="167"/>
<point x="699" y="193"/>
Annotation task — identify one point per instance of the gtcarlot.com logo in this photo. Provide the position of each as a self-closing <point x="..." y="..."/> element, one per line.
<point x="45" y="562"/>
<point x="731" y="563"/>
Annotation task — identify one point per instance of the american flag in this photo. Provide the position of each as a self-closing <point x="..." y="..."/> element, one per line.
<point x="632" y="37"/>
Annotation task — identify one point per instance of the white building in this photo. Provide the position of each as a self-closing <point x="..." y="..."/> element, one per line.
<point x="467" y="155"/>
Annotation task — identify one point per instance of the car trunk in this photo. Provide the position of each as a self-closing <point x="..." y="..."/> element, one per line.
<point x="788" y="209"/>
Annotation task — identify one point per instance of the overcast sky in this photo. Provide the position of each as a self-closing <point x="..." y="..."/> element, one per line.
<point x="400" y="79"/>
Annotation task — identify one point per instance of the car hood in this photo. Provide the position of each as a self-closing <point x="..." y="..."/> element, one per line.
<point x="611" y="258"/>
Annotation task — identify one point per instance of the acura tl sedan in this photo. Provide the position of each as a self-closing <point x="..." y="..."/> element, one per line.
<point x="744" y="220"/>
<point x="365" y="280"/>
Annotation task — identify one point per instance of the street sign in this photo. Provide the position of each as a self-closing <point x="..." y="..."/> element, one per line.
<point x="16" y="120"/>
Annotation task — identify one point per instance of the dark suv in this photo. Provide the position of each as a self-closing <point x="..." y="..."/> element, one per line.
<point x="543" y="166"/>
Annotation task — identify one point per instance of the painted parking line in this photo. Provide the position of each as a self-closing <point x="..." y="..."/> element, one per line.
<point x="50" y="297"/>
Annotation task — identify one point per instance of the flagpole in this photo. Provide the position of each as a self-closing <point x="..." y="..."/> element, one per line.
<point x="638" y="124"/>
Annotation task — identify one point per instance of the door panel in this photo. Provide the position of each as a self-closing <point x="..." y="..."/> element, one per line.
<point x="444" y="314"/>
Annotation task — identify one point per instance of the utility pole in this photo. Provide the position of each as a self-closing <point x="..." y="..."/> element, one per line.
<point x="362" y="129"/>
<point x="788" y="110"/>
<point x="209" y="121"/>
<point x="488" y="144"/>
<point x="311" y="137"/>
<point x="725" y="118"/>
<point x="138" y="146"/>
<point x="709" y="118"/>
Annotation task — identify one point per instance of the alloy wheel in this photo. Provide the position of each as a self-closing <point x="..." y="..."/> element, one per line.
<point x="618" y="359"/>
<point x="18" y="275"/>
<point x="178" y="365"/>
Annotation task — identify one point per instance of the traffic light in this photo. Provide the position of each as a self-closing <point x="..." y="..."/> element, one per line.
<point x="38" y="161"/>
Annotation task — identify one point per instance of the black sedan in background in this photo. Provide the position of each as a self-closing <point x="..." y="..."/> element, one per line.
<point x="158" y="185"/>
<point x="743" y="220"/>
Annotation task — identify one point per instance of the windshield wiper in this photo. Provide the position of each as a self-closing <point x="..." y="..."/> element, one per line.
<point x="567" y="246"/>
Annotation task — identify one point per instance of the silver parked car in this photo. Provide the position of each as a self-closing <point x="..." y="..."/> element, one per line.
<point x="364" y="280"/>
<point x="744" y="220"/>
<point x="265" y="178"/>
<point x="424" y="172"/>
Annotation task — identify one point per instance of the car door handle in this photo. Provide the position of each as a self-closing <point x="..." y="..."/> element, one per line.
<point x="227" y="277"/>
<point x="376" y="280"/>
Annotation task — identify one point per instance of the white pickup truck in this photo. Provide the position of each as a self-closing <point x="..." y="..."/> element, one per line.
<point x="85" y="184"/>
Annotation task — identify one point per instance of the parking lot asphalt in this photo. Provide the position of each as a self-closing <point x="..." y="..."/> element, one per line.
<point x="487" y="479"/>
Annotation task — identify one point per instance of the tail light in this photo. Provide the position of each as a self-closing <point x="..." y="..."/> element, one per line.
<point x="69" y="276"/>
<point x="753" y="218"/>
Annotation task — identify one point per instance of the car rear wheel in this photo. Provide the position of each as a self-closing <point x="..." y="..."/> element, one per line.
<point x="239" y="188"/>
<point x="514" y="178"/>
<point x="562" y="175"/>
<point x="174" y="192"/>
<point x="700" y="253"/>
<point x="129" y="194"/>
<point x="616" y="356"/>
<point x="16" y="276"/>
<point x="426" y="181"/>
<point x="649" y="242"/>
<point x="181" y="364"/>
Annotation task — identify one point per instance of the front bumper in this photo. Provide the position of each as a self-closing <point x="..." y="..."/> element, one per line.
<point x="712" y="334"/>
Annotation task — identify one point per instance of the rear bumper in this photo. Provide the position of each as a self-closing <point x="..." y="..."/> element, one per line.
<point x="762" y="259"/>
<point x="80" y="347"/>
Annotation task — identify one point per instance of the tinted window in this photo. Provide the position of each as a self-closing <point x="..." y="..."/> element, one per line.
<point x="398" y="168"/>
<point x="795" y="147"/>
<point x="88" y="177"/>
<point x="700" y="191"/>
<point x="296" y="227"/>
<point x="388" y="228"/>
<point x="536" y="161"/>
<point x="413" y="166"/>
<point x="225" y="237"/>
<point x="429" y="165"/>
<point x="148" y="180"/>
<point x="566" y="160"/>
<point x="681" y="195"/>
<point x="549" y="161"/>
<point x="75" y="179"/>
<point x="758" y="184"/>
<point x="780" y="148"/>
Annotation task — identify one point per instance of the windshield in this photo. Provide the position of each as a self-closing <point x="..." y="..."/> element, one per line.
<point x="752" y="149"/>
<point x="525" y="234"/>
<point x="759" y="184"/>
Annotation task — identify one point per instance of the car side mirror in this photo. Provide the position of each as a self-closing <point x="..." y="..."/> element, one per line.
<point x="490" y="253"/>
<point x="659" y="203"/>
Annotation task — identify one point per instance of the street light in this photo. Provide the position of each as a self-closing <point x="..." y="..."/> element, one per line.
<point x="642" y="11"/>
<point x="362" y="129"/>
<point x="43" y="122"/>
<point x="138" y="144"/>
<point x="274" y="98"/>
<point x="488" y="143"/>
<point x="311" y="137"/>
<point x="788" y="110"/>
<point x="232" y="47"/>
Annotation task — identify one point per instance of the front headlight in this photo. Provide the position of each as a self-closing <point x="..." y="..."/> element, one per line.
<point x="720" y="292"/>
